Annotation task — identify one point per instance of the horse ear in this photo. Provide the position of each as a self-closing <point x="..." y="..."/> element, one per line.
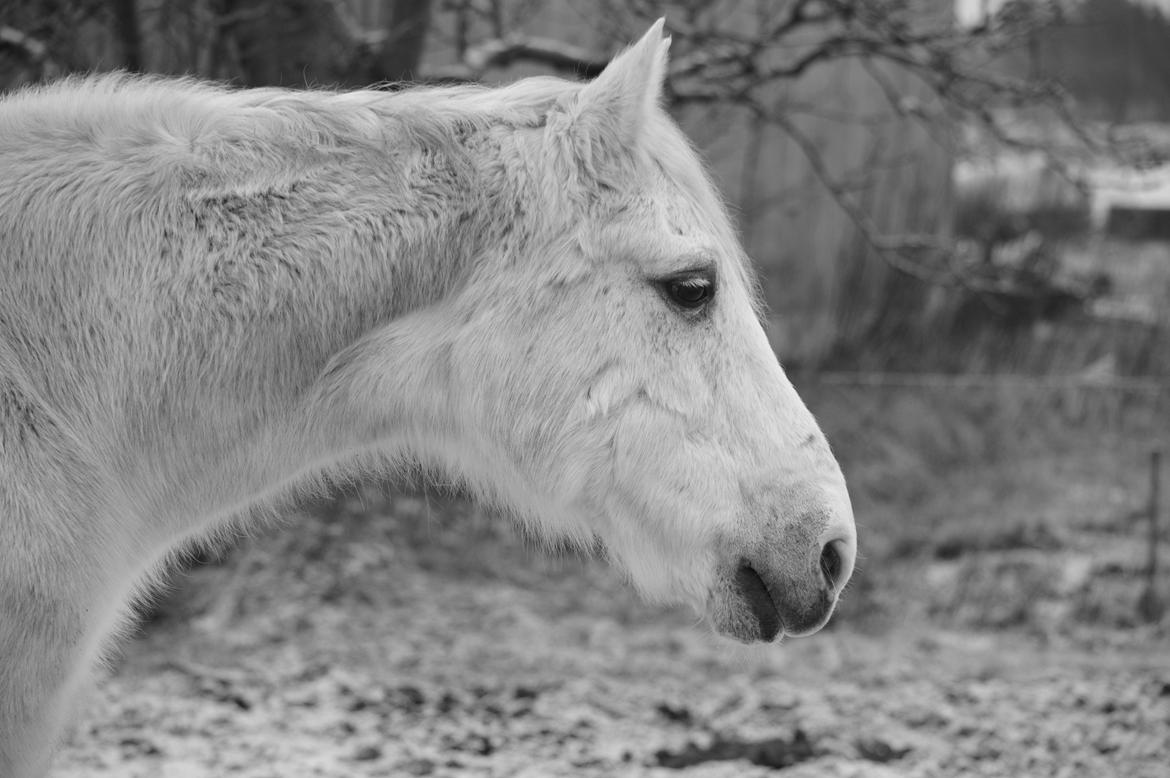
<point x="619" y="100"/>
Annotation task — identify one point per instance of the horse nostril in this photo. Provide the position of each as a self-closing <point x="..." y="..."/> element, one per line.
<point x="831" y="563"/>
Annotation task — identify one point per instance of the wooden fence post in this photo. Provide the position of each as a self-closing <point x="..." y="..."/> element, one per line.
<point x="1150" y="606"/>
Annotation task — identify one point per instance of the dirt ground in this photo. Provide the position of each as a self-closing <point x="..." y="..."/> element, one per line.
<point x="387" y="640"/>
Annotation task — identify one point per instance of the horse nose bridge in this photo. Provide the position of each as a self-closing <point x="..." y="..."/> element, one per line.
<point x="793" y="421"/>
<point x="782" y="420"/>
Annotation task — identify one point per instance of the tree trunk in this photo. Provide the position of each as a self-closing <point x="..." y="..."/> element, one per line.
<point x="406" y="33"/>
<point x="259" y="37"/>
<point x="126" y="19"/>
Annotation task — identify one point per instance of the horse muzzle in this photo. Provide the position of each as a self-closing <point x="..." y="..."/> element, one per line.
<point x="789" y="587"/>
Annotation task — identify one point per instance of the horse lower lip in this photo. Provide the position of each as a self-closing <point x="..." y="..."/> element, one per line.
<point x="756" y="594"/>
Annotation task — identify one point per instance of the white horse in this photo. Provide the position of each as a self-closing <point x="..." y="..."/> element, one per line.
<point x="211" y="298"/>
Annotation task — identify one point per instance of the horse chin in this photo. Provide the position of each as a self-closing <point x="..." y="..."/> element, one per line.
<point x="744" y="618"/>
<point x="752" y="608"/>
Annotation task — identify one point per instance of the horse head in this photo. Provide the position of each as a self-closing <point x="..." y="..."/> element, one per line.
<point x="609" y="381"/>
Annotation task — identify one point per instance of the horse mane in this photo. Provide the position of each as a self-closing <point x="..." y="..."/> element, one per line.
<point x="186" y="111"/>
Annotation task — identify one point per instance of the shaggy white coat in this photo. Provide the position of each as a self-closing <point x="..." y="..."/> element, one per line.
<point x="210" y="297"/>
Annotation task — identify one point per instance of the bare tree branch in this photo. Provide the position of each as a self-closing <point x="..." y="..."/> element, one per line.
<point x="719" y="61"/>
<point x="498" y="53"/>
<point x="406" y="29"/>
<point x="914" y="255"/>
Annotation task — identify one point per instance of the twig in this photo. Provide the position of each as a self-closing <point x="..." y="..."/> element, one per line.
<point x="1151" y="608"/>
<point x="501" y="52"/>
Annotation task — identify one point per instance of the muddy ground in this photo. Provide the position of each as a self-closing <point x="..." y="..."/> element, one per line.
<point x="385" y="637"/>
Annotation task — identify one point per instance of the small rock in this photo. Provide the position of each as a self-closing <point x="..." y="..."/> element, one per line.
<point x="525" y="693"/>
<point x="679" y="714"/>
<point x="878" y="750"/>
<point x="417" y="767"/>
<point x="367" y="754"/>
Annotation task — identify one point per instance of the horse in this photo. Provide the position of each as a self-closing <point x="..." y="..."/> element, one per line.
<point x="215" y="298"/>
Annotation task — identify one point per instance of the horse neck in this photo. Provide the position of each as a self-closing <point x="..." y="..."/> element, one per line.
<point x="223" y="303"/>
<point x="344" y="250"/>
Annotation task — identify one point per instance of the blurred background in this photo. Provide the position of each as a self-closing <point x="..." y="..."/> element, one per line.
<point x="960" y="213"/>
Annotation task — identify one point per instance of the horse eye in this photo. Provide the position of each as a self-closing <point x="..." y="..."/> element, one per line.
<point x="690" y="292"/>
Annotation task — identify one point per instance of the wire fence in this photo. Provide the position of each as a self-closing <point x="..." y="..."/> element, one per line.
<point x="967" y="381"/>
<point x="1106" y="402"/>
<point x="1023" y="495"/>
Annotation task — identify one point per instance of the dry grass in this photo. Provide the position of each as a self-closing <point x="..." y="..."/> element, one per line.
<point x="1013" y="498"/>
